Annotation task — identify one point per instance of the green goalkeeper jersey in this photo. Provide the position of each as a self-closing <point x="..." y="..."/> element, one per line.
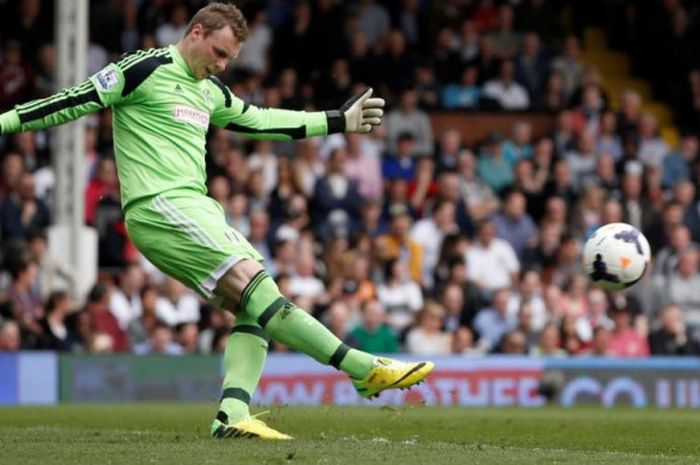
<point x="161" y="114"/>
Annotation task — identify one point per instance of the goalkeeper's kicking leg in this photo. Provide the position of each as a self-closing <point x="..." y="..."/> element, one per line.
<point x="263" y="312"/>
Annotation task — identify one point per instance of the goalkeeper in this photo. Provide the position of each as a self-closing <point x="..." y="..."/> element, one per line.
<point x="163" y="101"/>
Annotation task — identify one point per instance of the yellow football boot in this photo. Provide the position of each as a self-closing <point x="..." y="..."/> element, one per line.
<point x="388" y="373"/>
<point x="250" y="427"/>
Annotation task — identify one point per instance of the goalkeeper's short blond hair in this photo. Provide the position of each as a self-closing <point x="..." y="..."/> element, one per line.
<point x="218" y="15"/>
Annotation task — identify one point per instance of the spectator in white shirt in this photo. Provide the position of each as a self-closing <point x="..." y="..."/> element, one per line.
<point x="427" y="337"/>
<point x="400" y="296"/>
<point x="125" y="303"/>
<point x="177" y="304"/>
<point x="304" y="282"/>
<point x="491" y="262"/>
<point x="509" y="94"/>
<point x="429" y="232"/>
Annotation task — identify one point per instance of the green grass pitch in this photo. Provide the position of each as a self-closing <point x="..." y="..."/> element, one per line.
<point x="177" y="434"/>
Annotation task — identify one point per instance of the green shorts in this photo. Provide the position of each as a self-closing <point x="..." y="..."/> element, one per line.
<point x="186" y="236"/>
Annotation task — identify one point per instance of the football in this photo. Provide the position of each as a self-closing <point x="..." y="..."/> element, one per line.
<point x="616" y="256"/>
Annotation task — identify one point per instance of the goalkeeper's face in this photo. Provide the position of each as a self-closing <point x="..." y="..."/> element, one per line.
<point x="210" y="54"/>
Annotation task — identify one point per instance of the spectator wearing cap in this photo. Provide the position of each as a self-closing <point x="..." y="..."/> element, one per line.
<point x="672" y="337"/>
<point x="408" y="118"/>
<point x="373" y="334"/>
<point x="397" y="243"/>
<point x="493" y="168"/>
<point x="505" y="91"/>
<point x="491" y="262"/>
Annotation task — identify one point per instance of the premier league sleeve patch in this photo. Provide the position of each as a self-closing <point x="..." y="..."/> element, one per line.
<point x="106" y="79"/>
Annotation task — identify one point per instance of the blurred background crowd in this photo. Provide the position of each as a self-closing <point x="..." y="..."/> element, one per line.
<point x="408" y="239"/>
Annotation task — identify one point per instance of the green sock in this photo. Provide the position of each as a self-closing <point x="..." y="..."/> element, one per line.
<point x="244" y="359"/>
<point x="286" y="323"/>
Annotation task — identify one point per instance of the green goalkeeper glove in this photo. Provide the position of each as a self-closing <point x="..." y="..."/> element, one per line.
<point x="359" y="114"/>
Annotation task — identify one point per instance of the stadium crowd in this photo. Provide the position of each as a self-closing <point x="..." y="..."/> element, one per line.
<point x="402" y="240"/>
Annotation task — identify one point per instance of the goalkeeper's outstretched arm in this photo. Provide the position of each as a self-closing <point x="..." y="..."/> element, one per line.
<point x="65" y="106"/>
<point x="359" y="114"/>
<point x="101" y="90"/>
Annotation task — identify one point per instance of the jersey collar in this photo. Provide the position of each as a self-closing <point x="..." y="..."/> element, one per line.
<point x="177" y="58"/>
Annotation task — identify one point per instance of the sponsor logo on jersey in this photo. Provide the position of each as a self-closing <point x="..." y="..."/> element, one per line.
<point x="178" y="89"/>
<point x="191" y="115"/>
<point x="106" y="79"/>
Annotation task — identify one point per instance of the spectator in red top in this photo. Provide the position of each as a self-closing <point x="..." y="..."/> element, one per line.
<point x="624" y="340"/>
<point x="103" y="322"/>
<point x="103" y="184"/>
